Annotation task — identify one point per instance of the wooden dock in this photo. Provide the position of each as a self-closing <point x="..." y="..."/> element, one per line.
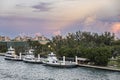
<point x="100" y="67"/>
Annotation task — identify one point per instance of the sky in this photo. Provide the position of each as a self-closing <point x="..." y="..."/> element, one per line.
<point x="58" y="17"/>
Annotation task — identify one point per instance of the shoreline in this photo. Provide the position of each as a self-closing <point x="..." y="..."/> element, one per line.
<point x="90" y="66"/>
<point x="100" y="67"/>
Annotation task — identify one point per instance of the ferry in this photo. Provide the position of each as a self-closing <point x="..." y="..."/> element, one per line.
<point x="54" y="62"/>
<point x="10" y="55"/>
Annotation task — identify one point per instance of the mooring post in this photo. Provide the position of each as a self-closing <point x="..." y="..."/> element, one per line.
<point x="64" y="59"/>
<point x="76" y="60"/>
<point x="38" y="56"/>
<point x="20" y="55"/>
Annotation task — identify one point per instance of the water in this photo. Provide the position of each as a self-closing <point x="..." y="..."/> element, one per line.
<point x="12" y="70"/>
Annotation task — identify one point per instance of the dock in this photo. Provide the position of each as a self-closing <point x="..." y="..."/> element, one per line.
<point x="100" y="67"/>
<point x="2" y="54"/>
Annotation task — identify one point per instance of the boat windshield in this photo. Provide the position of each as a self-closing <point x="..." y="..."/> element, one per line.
<point x="9" y="53"/>
<point x="11" y="50"/>
<point x="51" y="55"/>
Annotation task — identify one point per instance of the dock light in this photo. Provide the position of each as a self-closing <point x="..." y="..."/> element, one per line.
<point x="49" y="46"/>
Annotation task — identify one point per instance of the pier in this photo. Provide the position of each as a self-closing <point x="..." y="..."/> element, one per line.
<point x="2" y="54"/>
<point x="99" y="67"/>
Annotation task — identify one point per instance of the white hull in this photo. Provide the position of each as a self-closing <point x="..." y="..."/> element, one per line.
<point x="32" y="61"/>
<point x="10" y="55"/>
<point x="13" y="58"/>
<point x="61" y="65"/>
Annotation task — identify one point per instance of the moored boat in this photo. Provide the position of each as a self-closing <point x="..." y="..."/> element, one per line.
<point x="10" y="55"/>
<point x="54" y="62"/>
<point x="30" y="58"/>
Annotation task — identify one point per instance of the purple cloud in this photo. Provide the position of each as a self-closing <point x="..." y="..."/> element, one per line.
<point x="42" y="7"/>
<point x="109" y="19"/>
<point x="13" y="26"/>
<point x="93" y="23"/>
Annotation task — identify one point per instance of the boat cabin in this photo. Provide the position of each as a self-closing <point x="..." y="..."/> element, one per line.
<point x="52" y="58"/>
<point x="11" y="51"/>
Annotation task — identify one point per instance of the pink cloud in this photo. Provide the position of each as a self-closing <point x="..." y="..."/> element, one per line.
<point x="57" y="33"/>
<point x="116" y="28"/>
<point x="38" y="34"/>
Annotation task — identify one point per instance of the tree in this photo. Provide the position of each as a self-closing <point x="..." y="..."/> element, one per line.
<point x="100" y="56"/>
<point x="3" y="48"/>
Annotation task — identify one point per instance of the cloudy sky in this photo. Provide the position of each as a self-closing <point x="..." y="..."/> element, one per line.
<point x="53" y="17"/>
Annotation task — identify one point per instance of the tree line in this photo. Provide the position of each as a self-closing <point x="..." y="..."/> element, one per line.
<point x="98" y="48"/>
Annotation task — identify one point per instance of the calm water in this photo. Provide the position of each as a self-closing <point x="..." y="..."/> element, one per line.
<point x="11" y="70"/>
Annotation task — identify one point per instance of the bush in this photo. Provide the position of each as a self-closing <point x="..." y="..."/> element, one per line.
<point x="100" y="56"/>
<point x="118" y="59"/>
<point x="68" y="52"/>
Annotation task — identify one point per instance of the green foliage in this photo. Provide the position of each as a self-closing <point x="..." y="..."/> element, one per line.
<point x="116" y="50"/>
<point x="3" y="48"/>
<point x="69" y="52"/>
<point x="94" y="46"/>
<point x="112" y="63"/>
<point x="19" y="49"/>
<point x="100" y="56"/>
<point x="99" y="48"/>
<point x="39" y="48"/>
<point x="118" y="59"/>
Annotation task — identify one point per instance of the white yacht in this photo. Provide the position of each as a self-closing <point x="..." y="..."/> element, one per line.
<point x="54" y="62"/>
<point x="10" y="55"/>
<point x="30" y="58"/>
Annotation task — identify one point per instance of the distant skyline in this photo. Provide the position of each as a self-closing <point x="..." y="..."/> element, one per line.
<point x="53" y="17"/>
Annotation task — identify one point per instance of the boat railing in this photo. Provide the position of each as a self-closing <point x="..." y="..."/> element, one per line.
<point x="67" y="59"/>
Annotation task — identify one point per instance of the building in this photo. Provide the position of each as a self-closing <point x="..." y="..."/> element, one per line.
<point x="37" y="38"/>
<point x="4" y="38"/>
<point x="18" y="38"/>
<point x="26" y="38"/>
<point x="41" y="39"/>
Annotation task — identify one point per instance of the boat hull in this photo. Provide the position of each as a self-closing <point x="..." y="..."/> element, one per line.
<point x="13" y="59"/>
<point x="32" y="61"/>
<point x="61" y="66"/>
